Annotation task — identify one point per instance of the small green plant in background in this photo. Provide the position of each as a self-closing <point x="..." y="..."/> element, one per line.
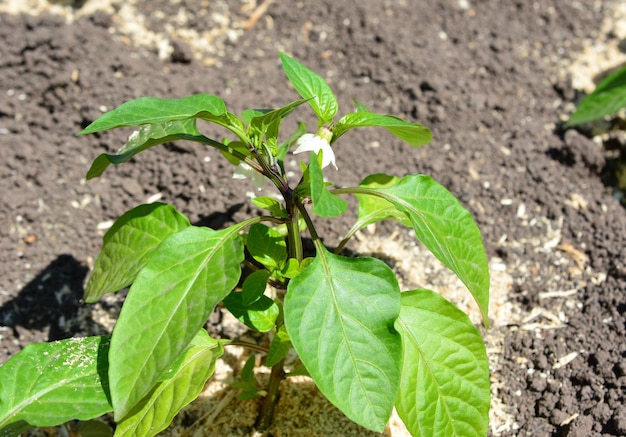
<point x="368" y="346"/>
<point x="608" y="98"/>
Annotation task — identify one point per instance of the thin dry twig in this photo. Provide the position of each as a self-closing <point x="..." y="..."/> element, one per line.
<point x="258" y="13"/>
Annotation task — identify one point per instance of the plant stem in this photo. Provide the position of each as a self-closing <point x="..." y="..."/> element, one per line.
<point x="268" y="404"/>
<point x="248" y="345"/>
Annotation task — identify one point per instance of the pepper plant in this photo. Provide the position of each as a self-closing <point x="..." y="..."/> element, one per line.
<point x="368" y="346"/>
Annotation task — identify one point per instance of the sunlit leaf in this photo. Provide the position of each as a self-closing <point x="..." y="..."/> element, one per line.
<point x="155" y="412"/>
<point x="128" y="245"/>
<point x="260" y="315"/>
<point x="444" y="389"/>
<point x="373" y="209"/>
<point x="48" y="384"/>
<point x="608" y="98"/>
<point x="413" y="133"/>
<point x="269" y="123"/>
<point x="279" y="348"/>
<point x="312" y="87"/>
<point x="339" y="313"/>
<point x="154" y="110"/>
<point x="266" y="245"/>
<point x="325" y="204"/>
<point x="447" y="229"/>
<point x="172" y="297"/>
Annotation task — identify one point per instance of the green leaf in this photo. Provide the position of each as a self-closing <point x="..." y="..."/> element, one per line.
<point x="339" y="313"/>
<point x="234" y="146"/>
<point x="254" y="286"/>
<point x="360" y="107"/>
<point x="93" y="428"/>
<point x="292" y="268"/>
<point x="154" y="110"/>
<point x="145" y="137"/>
<point x="267" y="246"/>
<point x="248" y="114"/>
<point x="268" y="124"/>
<point x="413" y="133"/>
<point x="128" y="245"/>
<point x="279" y="348"/>
<point x="188" y="274"/>
<point x="374" y="209"/>
<point x="246" y="381"/>
<point x="312" y="87"/>
<point x="271" y="204"/>
<point x="155" y="412"/>
<point x="447" y="229"/>
<point x="608" y="98"/>
<point x="444" y="389"/>
<point x="48" y="384"/>
<point x="325" y="204"/>
<point x="260" y="315"/>
<point x="283" y="148"/>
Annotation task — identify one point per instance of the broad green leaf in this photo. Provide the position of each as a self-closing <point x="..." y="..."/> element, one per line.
<point x="154" y="110"/>
<point x="413" y="133"/>
<point x="271" y="204"/>
<point x="268" y="124"/>
<point x="48" y="384"/>
<point x="447" y="229"/>
<point x="374" y="209"/>
<point x="608" y="98"/>
<point x="155" y="412"/>
<point x="128" y="245"/>
<point x="260" y="315"/>
<point x="279" y="348"/>
<point x="254" y="286"/>
<point x="267" y="246"/>
<point x="444" y="389"/>
<point x="188" y="274"/>
<point x="339" y="313"/>
<point x="312" y="87"/>
<point x="325" y="204"/>
<point x="145" y="137"/>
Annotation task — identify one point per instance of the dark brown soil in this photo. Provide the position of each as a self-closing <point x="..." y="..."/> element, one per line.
<point x="490" y="80"/>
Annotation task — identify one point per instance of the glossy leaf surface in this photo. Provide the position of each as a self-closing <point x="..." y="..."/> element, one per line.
<point x="608" y="98"/>
<point x="312" y="87"/>
<point x="155" y="412"/>
<point x="447" y="229"/>
<point x="260" y="315"/>
<point x="339" y="314"/>
<point x="155" y="110"/>
<point x="444" y="389"/>
<point x="48" y="384"/>
<point x="128" y="245"/>
<point x="186" y="277"/>
<point x="325" y="204"/>
<point x="413" y="133"/>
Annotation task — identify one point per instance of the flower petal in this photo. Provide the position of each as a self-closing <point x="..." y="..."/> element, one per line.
<point x="307" y="143"/>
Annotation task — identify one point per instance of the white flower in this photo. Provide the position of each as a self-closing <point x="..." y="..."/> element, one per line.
<point x="244" y="171"/>
<point x="315" y="143"/>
